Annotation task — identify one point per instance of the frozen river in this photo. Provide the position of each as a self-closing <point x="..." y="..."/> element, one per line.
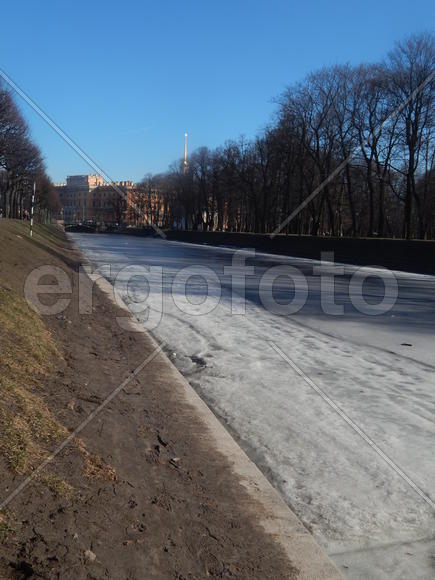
<point x="315" y="399"/>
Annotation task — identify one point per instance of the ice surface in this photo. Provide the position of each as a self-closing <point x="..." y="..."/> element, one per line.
<point x="371" y="522"/>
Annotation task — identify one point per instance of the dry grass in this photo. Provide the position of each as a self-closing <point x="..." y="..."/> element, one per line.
<point x="94" y="466"/>
<point x="27" y="426"/>
<point x="27" y="351"/>
<point x="57" y="485"/>
<point x="28" y="429"/>
<point x="5" y="527"/>
<point x="47" y="234"/>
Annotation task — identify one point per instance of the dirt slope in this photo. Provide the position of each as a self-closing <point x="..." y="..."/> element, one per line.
<point x="140" y="495"/>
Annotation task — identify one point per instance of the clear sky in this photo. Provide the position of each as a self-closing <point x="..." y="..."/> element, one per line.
<point x="126" y="79"/>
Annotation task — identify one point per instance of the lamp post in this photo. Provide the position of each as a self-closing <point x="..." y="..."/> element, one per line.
<point x="31" y="209"/>
<point x="185" y="153"/>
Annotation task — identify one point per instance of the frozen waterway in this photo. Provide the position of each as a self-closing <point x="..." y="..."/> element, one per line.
<point x="378" y="369"/>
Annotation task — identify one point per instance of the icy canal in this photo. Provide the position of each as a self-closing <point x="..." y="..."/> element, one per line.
<point x="295" y="389"/>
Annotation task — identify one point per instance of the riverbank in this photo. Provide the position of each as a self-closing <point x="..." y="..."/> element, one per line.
<point x="142" y="491"/>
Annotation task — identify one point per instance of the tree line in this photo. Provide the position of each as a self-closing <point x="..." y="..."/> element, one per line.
<point x="371" y="127"/>
<point x="21" y="164"/>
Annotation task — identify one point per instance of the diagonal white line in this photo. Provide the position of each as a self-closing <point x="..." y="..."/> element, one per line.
<point x="349" y="158"/>
<point x="71" y="143"/>
<point x="352" y="424"/>
<point x="80" y="428"/>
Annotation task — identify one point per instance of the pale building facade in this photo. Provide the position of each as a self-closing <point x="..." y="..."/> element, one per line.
<point x="89" y="198"/>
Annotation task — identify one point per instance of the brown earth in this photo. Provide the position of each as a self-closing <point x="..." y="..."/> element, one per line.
<point x="141" y="494"/>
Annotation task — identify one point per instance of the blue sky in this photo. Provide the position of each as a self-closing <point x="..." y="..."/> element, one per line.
<point x="126" y="79"/>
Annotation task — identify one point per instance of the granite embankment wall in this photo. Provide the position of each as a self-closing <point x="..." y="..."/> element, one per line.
<point x="407" y="255"/>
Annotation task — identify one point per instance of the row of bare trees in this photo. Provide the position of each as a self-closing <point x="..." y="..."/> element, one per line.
<point x="370" y="127"/>
<point x="21" y="164"/>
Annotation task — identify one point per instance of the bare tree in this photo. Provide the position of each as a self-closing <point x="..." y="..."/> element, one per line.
<point x="410" y="65"/>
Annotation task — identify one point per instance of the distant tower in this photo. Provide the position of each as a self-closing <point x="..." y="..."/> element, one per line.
<point x="185" y="153"/>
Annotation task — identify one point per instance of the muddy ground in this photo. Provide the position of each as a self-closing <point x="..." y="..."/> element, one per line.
<point x="158" y="502"/>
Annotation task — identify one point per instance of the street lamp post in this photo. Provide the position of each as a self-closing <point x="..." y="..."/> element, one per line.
<point x="32" y="208"/>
